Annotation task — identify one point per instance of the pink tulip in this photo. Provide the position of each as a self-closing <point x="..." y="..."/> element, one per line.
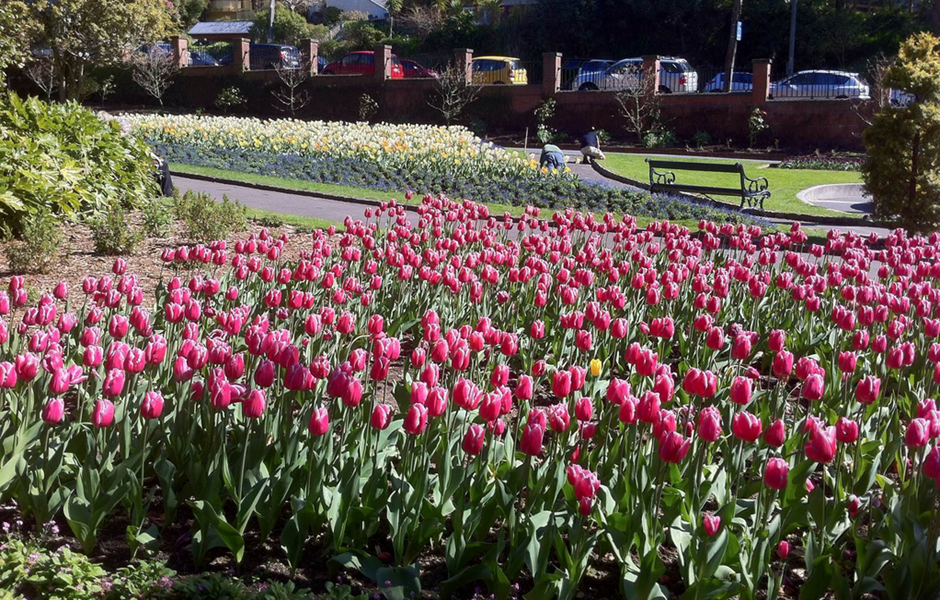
<point x="746" y="426"/>
<point x="775" y="474"/>
<point x="254" y="405"/>
<point x="381" y="416"/>
<point x="531" y="442"/>
<point x="709" y="424"/>
<point x="473" y="439"/>
<point x="783" y="549"/>
<point x="152" y="405"/>
<point x="103" y="413"/>
<point x="740" y="392"/>
<point x="918" y="433"/>
<point x="868" y="389"/>
<point x="821" y="446"/>
<point x="54" y="411"/>
<point x="813" y="387"/>
<point x="416" y="420"/>
<point x="673" y="447"/>
<point x="846" y="430"/>
<point x="583" y="409"/>
<point x="711" y="524"/>
<point x="319" y="422"/>
<point x="776" y="434"/>
<point x="466" y="395"/>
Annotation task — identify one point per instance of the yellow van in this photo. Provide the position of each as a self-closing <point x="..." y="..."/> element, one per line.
<point x="500" y="70"/>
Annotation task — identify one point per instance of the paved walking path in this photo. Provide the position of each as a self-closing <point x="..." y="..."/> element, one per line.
<point x="337" y="210"/>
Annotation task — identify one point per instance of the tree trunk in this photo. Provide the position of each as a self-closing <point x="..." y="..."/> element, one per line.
<point x="912" y="185"/>
<point x="271" y="21"/>
<point x="732" y="44"/>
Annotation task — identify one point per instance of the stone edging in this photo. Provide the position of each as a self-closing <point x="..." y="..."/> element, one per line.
<point x="771" y="214"/>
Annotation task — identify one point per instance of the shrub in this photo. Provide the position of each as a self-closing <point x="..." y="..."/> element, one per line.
<point x="701" y="139"/>
<point x="60" y="575"/>
<point x="659" y="138"/>
<point x="367" y="107"/>
<point x="64" y="159"/>
<point x="36" y="247"/>
<point x="205" y="220"/>
<point x="756" y="125"/>
<point x="902" y="171"/>
<point x="282" y="591"/>
<point x="113" y="233"/>
<point x="543" y="113"/>
<point x="156" y="217"/>
<point x="229" y="98"/>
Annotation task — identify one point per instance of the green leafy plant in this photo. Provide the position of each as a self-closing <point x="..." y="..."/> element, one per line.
<point x="205" y="220"/>
<point x="156" y="217"/>
<point x="367" y="107"/>
<point x="701" y="139"/>
<point x="543" y="113"/>
<point x="340" y="592"/>
<point x="113" y="233"/>
<point x="64" y="159"/>
<point x="756" y="125"/>
<point x="146" y="579"/>
<point x="230" y="98"/>
<point x="659" y="138"/>
<point x="37" y="245"/>
<point x="277" y="590"/>
<point x="214" y="586"/>
<point x="63" y="575"/>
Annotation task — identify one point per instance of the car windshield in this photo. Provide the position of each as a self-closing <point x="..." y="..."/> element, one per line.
<point x="515" y="65"/>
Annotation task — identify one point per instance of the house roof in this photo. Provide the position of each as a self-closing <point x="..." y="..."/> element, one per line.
<point x="221" y="28"/>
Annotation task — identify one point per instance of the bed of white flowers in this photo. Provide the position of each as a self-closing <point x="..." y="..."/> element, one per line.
<point x="454" y="150"/>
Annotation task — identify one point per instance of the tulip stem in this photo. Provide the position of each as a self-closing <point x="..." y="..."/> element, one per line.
<point x="241" y="471"/>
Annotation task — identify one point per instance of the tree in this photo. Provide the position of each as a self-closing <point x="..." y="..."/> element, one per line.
<point x="289" y="95"/>
<point x="41" y="71"/>
<point x="153" y="69"/>
<point x="902" y="168"/>
<point x="289" y="27"/>
<point x="454" y="92"/>
<point x="14" y="29"/>
<point x="190" y="11"/>
<point x="82" y="34"/>
<point x="638" y="100"/>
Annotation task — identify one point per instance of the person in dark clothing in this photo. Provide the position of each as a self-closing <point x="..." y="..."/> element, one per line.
<point x="552" y="158"/>
<point x="162" y="175"/>
<point x="590" y="147"/>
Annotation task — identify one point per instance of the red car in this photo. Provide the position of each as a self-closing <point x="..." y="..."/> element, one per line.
<point x="361" y="63"/>
<point x="415" y="70"/>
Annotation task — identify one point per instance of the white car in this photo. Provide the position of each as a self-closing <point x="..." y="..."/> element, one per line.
<point x="900" y="99"/>
<point x="821" y="84"/>
<point x="675" y="75"/>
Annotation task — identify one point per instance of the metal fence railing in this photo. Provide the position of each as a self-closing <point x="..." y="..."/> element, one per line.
<point x="505" y="71"/>
<point x="264" y="57"/>
<point x="424" y="66"/>
<point x="215" y="54"/>
<point x="819" y="85"/>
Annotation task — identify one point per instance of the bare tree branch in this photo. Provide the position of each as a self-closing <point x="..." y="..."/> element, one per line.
<point x="289" y="95"/>
<point x="638" y="100"/>
<point x="454" y="93"/>
<point x="41" y="71"/>
<point x="153" y="68"/>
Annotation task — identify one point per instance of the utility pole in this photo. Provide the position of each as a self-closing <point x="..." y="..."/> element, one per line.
<point x="791" y="61"/>
<point x="732" y="44"/>
<point x="271" y="21"/>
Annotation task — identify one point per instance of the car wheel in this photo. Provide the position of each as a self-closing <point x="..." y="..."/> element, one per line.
<point x="841" y="97"/>
<point x="664" y="90"/>
<point x="499" y="83"/>
<point x="587" y="87"/>
<point x="327" y="72"/>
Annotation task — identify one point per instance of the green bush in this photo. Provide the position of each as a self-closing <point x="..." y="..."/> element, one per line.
<point x="205" y="220"/>
<point x="32" y="571"/>
<point x="282" y="591"/>
<point x="157" y="217"/>
<point x="659" y="138"/>
<point x="35" y="248"/>
<point x="701" y="139"/>
<point x="62" y="158"/>
<point x="229" y="98"/>
<point x="113" y="233"/>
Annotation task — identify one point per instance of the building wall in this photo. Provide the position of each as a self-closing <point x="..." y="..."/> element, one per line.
<point x="221" y="10"/>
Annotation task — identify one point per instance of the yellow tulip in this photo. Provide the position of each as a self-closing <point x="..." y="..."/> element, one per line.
<point x="595" y="367"/>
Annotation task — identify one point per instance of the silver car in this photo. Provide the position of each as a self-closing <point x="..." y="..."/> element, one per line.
<point x="675" y="75"/>
<point x="821" y="84"/>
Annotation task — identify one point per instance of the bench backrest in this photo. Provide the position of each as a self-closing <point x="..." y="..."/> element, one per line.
<point x="676" y="165"/>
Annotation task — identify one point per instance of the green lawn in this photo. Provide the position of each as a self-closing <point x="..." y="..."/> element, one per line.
<point x="370" y="194"/>
<point x="784" y="183"/>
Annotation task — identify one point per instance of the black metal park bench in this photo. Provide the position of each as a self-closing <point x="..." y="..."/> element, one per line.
<point x="752" y="192"/>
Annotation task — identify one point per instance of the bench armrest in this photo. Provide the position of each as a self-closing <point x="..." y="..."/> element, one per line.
<point x="662" y="177"/>
<point x="755" y="185"/>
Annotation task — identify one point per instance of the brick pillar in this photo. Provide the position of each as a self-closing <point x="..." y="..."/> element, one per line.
<point x="651" y="67"/>
<point x="180" y="48"/>
<point x="240" y="50"/>
<point x="383" y="62"/>
<point x="308" y="54"/>
<point x="551" y="73"/>
<point x="463" y="59"/>
<point x="761" y="89"/>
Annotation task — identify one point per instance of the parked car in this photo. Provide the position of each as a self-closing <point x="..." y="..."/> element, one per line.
<point x="740" y="82"/>
<point x="415" y="70"/>
<point x="900" y="99"/>
<point x="361" y="63"/>
<point x="675" y="75"/>
<point x="195" y="57"/>
<point x="499" y="70"/>
<point x="821" y="84"/>
<point x="321" y="64"/>
<point x="269" y="56"/>
<point x="584" y="71"/>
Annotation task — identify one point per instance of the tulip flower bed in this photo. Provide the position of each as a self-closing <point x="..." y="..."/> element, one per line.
<point x="395" y="158"/>
<point x="704" y="415"/>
